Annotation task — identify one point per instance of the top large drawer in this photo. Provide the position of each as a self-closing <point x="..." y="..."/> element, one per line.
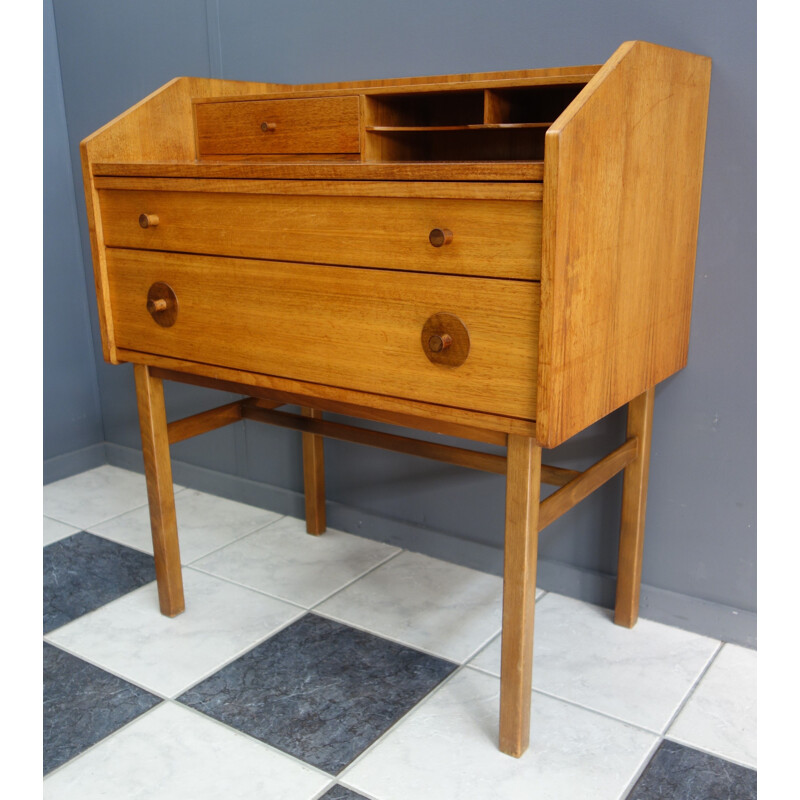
<point x="332" y="223"/>
<point x="315" y="125"/>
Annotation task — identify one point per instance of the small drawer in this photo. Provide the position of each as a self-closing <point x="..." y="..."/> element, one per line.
<point x="462" y="342"/>
<point x="316" y="125"/>
<point x="491" y="238"/>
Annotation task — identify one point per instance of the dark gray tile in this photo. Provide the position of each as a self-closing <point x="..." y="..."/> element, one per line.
<point x="84" y="572"/>
<point x="341" y="793"/>
<point x="319" y="690"/>
<point x="677" y="772"/>
<point x="83" y="704"/>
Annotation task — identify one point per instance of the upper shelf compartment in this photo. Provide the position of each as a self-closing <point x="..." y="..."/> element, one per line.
<point x="504" y="124"/>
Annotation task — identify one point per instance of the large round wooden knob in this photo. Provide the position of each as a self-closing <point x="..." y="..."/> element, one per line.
<point x="268" y="126"/>
<point x="445" y="340"/>
<point x="162" y="303"/>
<point x="440" y="236"/>
<point x="148" y="220"/>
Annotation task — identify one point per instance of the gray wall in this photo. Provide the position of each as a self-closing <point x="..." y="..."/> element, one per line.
<point x="699" y="568"/>
<point x="72" y="419"/>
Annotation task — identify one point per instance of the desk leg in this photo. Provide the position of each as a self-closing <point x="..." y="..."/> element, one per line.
<point x="519" y="592"/>
<point x="634" y="504"/>
<point x="160" y="495"/>
<point x="314" y="477"/>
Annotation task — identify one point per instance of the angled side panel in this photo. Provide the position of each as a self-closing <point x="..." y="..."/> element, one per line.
<point x="623" y="173"/>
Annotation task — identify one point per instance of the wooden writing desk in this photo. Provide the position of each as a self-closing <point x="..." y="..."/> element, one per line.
<point x="502" y="257"/>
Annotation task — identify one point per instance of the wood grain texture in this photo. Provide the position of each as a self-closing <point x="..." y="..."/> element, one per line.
<point x="623" y="172"/>
<point x="528" y="171"/>
<point x="339" y="326"/>
<point x="318" y="125"/>
<point x="523" y="481"/>
<point x="570" y="494"/>
<point x="267" y="398"/>
<point x="493" y="238"/>
<point x="160" y="494"/>
<point x="473" y="459"/>
<point x="158" y="128"/>
<point x="205" y="421"/>
<point x="634" y="507"/>
<point x="434" y="83"/>
<point x="314" y="476"/>
<point x="466" y="190"/>
<point x="384" y="408"/>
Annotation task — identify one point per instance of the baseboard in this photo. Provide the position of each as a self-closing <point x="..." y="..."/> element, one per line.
<point x="660" y="605"/>
<point x="72" y="463"/>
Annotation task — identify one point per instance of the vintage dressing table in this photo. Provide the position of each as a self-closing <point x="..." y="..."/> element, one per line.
<point x="502" y="257"/>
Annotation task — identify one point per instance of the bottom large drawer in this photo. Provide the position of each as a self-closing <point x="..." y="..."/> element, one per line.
<point x="347" y="327"/>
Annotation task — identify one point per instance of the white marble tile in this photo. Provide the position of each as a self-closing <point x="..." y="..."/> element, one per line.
<point x="447" y="750"/>
<point x="95" y="495"/>
<point x="131" y="638"/>
<point x="639" y="675"/>
<point x="173" y="753"/>
<point x="205" y="523"/>
<point x="720" y="716"/>
<point x="442" y="608"/>
<point x="53" y="530"/>
<point x="283" y="560"/>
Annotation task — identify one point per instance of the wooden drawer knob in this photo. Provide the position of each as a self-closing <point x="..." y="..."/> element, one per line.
<point x="268" y="126"/>
<point x="148" y="220"/>
<point x="440" y="236"/>
<point x="162" y="303"/>
<point x="439" y="342"/>
<point x="445" y="340"/>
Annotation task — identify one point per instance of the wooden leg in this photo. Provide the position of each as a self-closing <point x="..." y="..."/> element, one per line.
<point x="158" y="471"/>
<point x="314" y="477"/>
<point x="634" y="504"/>
<point x="519" y="592"/>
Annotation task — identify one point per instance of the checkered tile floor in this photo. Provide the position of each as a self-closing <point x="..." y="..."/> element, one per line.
<point x="341" y="668"/>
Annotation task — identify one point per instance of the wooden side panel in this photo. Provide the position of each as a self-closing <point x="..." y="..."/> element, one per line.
<point x="354" y="328"/>
<point x="159" y="128"/>
<point x="623" y="173"/>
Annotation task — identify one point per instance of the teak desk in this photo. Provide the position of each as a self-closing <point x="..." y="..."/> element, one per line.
<point x="502" y="257"/>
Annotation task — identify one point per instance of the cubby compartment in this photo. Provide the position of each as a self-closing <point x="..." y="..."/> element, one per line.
<point x="529" y="104"/>
<point x="433" y="109"/>
<point x="486" y="125"/>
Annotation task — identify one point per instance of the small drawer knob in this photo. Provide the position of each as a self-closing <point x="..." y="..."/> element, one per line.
<point x="156" y="305"/>
<point x="445" y="340"/>
<point x="439" y="342"/>
<point x="440" y="236"/>
<point x="268" y="126"/>
<point x="148" y="220"/>
<point x="162" y="304"/>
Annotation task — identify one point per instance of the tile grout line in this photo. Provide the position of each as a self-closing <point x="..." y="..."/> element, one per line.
<point x="334" y="780"/>
<point x="233" y="541"/>
<point x="662" y="734"/>
<point x="408" y="715"/>
<point x="272" y="748"/>
<point x="393" y="639"/>
<point x="197" y="568"/>
<point x="104" y="668"/>
<point x="692" y="689"/>
<point x="372" y="569"/>
<point x="105" y="519"/>
<point x="94" y="746"/>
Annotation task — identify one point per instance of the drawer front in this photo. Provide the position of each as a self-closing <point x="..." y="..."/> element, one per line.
<point x="351" y="328"/>
<point x="316" y="125"/>
<point x="492" y="238"/>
